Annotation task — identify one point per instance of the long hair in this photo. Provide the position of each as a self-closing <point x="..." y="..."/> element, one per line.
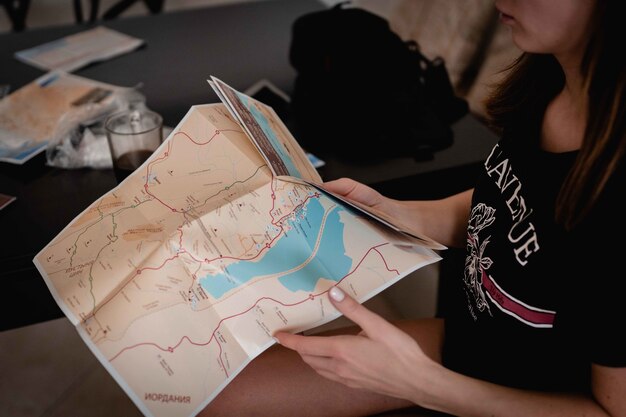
<point x="534" y="79"/>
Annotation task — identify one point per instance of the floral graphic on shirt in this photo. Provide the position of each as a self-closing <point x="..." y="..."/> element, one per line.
<point x="481" y="217"/>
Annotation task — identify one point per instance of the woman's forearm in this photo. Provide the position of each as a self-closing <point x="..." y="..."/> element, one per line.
<point x="443" y="220"/>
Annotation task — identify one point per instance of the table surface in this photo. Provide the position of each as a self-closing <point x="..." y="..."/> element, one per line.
<point x="241" y="44"/>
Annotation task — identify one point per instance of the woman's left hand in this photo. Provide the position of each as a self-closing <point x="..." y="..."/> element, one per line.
<point x="381" y="358"/>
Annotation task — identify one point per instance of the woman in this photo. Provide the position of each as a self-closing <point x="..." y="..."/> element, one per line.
<point x="537" y="323"/>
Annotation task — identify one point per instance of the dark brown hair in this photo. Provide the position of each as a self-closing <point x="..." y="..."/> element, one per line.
<point x="534" y="79"/>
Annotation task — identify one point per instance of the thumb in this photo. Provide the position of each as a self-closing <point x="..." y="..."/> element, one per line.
<point x="341" y="186"/>
<point x="354" y="190"/>
<point x="370" y="322"/>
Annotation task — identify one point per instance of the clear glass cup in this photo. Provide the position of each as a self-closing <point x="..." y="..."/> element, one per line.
<point x="133" y="135"/>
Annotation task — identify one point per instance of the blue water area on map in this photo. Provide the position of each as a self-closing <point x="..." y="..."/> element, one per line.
<point x="290" y="251"/>
<point x="271" y="135"/>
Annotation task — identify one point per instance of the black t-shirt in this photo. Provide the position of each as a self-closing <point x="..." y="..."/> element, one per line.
<point x="536" y="305"/>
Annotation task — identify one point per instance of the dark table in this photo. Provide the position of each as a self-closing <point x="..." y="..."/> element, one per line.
<point x="241" y="44"/>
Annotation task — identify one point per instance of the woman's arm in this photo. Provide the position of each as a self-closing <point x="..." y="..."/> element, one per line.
<point x="406" y="372"/>
<point x="443" y="220"/>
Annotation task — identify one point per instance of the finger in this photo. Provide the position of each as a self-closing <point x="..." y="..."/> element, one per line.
<point x="371" y="323"/>
<point x="354" y="190"/>
<point x="341" y="186"/>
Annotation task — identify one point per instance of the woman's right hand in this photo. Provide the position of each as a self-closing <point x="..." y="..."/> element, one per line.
<point x="361" y="193"/>
<point x="444" y="220"/>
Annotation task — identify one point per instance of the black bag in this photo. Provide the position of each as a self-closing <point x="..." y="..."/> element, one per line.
<point x="364" y="94"/>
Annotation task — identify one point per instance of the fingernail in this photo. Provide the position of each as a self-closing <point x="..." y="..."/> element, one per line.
<point x="336" y="294"/>
<point x="276" y="340"/>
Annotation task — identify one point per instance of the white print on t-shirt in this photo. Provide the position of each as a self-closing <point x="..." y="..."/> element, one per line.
<point x="522" y="233"/>
<point x="482" y="288"/>
<point x="481" y="217"/>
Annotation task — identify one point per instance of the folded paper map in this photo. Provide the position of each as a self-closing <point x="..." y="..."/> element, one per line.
<point x="178" y="278"/>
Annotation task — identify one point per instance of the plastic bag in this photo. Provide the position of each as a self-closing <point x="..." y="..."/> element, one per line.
<point x="85" y="145"/>
<point x="50" y="110"/>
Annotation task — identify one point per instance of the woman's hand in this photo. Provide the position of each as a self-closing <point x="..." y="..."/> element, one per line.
<point x="444" y="220"/>
<point x="381" y="358"/>
<point x="355" y="191"/>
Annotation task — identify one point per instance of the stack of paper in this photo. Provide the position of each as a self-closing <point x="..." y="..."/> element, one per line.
<point x="76" y="51"/>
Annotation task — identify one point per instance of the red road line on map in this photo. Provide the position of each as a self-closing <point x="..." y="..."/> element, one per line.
<point x="156" y="160"/>
<point x="385" y="261"/>
<point x="267" y="245"/>
<point x="138" y="271"/>
<point x="274" y="222"/>
<point x="181" y="249"/>
<point x="219" y="324"/>
<point x="167" y="154"/>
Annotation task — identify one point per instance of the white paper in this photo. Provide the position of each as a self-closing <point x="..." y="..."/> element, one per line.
<point x="76" y="51"/>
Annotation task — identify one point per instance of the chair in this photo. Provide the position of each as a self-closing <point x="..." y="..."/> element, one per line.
<point x="17" y="10"/>
<point x="93" y="13"/>
<point x="154" y="6"/>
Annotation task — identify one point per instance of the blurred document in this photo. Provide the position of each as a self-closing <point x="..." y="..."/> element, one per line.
<point x="46" y="109"/>
<point x="76" y="51"/>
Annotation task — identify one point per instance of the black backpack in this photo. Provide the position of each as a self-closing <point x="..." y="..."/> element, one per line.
<point x="364" y="94"/>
